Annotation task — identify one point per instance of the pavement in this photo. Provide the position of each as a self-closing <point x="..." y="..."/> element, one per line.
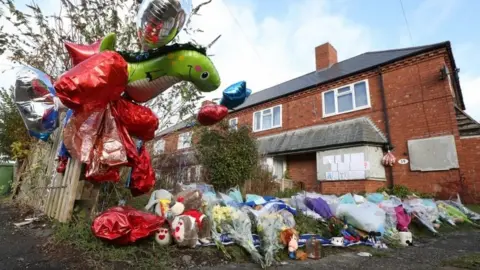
<point x="27" y="248"/>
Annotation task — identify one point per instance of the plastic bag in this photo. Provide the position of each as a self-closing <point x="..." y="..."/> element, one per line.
<point x="258" y="200"/>
<point x="347" y="199"/>
<point x="319" y="206"/>
<point x="124" y="225"/>
<point x="358" y="199"/>
<point x="403" y="219"/>
<point x="390" y="215"/>
<point x="366" y="216"/>
<point x="375" y="197"/>
<point x="416" y="208"/>
<point x="235" y="194"/>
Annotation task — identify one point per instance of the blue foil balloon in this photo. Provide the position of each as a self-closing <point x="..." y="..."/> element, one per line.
<point x="235" y="95"/>
<point x="37" y="102"/>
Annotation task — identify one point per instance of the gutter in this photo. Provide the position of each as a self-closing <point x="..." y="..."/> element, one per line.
<point x="389" y="145"/>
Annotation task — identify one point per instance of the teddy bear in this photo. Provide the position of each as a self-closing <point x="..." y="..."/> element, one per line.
<point x="160" y="202"/>
<point x="190" y="227"/>
<point x="163" y="236"/>
<point x="186" y="200"/>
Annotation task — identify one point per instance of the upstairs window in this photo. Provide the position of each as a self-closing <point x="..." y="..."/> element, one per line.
<point x="159" y="147"/>
<point x="233" y="123"/>
<point x="185" y="140"/>
<point x="267" y="119"/>
<point x="346" y="99"/>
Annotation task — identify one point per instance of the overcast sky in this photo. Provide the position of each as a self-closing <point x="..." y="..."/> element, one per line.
<point x="270" y="41"/>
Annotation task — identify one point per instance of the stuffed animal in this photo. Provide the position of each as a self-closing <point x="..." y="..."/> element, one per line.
<point x="190" y="227"/>
<point x="186" y="200"/>
<point x="289" y="238"/>
<point x="159" y="203"/>
<point x="163" y="236"/>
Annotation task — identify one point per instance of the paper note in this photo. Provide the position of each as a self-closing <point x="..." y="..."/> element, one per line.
<point x="356" y="174"/>
<point x="334" y="175"/>
<point x="328" y="160"/>
<point x="343" y="175"/>
<point x="338" y="159"/>
<point x="343" y="167"/>
<point x="346" y="158"/>
<point x="333" y="167"/>
<point x="357" y="162"/>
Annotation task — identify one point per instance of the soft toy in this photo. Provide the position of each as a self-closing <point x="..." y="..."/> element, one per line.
<point x="186" y="200"/>
<point x="159" y="203"/>
<point x="190" y="227"/>
<point x="289" y="238"/>
<point x="163" y="236"/>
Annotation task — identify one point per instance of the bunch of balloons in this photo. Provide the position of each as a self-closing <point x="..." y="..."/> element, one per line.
<point x="104" y="89"/>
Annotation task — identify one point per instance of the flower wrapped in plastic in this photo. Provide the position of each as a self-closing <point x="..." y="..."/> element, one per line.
<point x="238" y="226"/>
<point x="269" y="227"/>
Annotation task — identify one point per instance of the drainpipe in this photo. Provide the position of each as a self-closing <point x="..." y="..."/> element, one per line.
<point x="389" y="145"/>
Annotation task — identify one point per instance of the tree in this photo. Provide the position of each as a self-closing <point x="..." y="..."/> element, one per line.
<point x="14" y="139"/>
<point x="36" y="39"/>
<point x="229" y="156"/>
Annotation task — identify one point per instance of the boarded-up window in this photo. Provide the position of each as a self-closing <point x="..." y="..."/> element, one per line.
<point x="433" y="154"/>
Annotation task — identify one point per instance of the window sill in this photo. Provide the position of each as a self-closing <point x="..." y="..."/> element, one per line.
<point x="257" y="131"/>
<point x="347" y="180"/>
<point x="354" y="110"/>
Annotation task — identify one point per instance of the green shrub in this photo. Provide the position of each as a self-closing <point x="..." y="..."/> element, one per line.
<point x="229" y="156"/>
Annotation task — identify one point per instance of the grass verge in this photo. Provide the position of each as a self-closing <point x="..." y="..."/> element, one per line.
<point x="470" y="261"/>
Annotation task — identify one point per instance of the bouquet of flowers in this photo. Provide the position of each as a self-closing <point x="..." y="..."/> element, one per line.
<point x="269" y="227"/>
<point x="237" y="224"/>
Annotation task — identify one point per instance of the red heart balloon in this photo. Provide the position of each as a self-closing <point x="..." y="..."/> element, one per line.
<point x="80" y="52"/>
<point x="211" y="114"/>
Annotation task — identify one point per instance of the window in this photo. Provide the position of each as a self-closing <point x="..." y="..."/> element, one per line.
<point x="346" y="99"/>
<point x="233" y="123"/>
<point x="185" y="140"/>
<point x="267" y="119"/>
<point x="159" y="147"/>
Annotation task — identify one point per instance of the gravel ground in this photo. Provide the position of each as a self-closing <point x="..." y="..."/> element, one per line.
<point x="27" y="248"/>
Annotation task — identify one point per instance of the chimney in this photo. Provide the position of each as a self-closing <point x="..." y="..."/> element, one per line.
<point x="325" y="56"/>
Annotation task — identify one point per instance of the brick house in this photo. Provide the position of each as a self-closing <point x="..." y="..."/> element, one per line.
<point x="330" y="128"/>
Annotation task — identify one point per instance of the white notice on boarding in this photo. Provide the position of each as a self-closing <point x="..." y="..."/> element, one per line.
<point x="357" y="162"/>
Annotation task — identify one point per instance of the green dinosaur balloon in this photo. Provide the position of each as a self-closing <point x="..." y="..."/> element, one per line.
<point x="150" y="73"/>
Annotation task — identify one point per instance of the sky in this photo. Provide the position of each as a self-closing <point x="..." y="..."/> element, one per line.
<point x="267" y="42"/>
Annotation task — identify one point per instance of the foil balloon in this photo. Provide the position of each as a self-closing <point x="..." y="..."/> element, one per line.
<point x="124" y="225"/>
<point x="159" y="21"/>
<point x="211" y="114"/>
<point x="80" y="52"/>
<point x="151" y="73"/>
<point x="235" y="95"/>
<point x="37" y="102"/>
<point x="94" y="82"/>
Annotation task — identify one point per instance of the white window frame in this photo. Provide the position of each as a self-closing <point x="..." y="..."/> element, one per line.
<point x="352" y="91"/>
<point x="161" y="141"/>
<point x="181" y="141"/>
<point x="230" y="123"/>
<point x="261" y="119"/>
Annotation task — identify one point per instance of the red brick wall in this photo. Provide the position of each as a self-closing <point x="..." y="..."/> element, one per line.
<point x="342" y="187"/>
<point x="303" y="168"/>
<point x="469" y="169"/>
<point x="419" y="105"/>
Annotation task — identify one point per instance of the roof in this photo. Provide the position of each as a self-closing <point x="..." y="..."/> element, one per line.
<point x="355" y="65"/>
<point x="349" y="132"/>
<point x="467" y="126"/>
<point x="348" y="67"/>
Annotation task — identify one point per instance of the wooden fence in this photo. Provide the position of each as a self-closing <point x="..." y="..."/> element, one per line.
<point x="39" y="185"/>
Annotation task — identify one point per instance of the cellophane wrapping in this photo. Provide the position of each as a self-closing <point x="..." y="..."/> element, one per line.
<point x="238" y="226"/>
<point x="269" y="227"/>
